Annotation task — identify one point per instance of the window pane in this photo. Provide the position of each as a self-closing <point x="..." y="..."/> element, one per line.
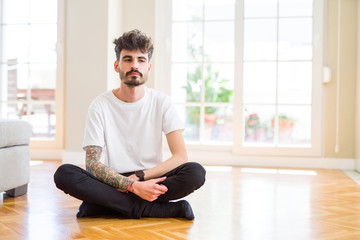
<point x="14" y="81"/>
<point x="219" y="83"/>
<point x="17" y="110"/>
<point x="15" y="11"/>
<point x="191" y="116"/>
<point x="43" y="49"/>
<point x="295" y="39"/>
<point x="18" y="81"/>
<point x="218" y="124"/>
<point x="28" y="52"/>
<point x="259" y="127"/>
<point x="187" y="42"/>
<point x="37" y="13"/>
<point x="219" y="41"/>
<point x="219" y="10"/>
<point x="293" y="8"/>
<point x="259" y="83"/>
<point x="10" y="110"/>
<point x="42" y="119"/>
<point x="295" y="125"/>
<point x="295" y="83"/>
<point x="260" y="39"/>
<point x="260" y="8"/>
<point x="43" y="81"/>
<point x="186" y="82"/>
<point x="185" y="10"/>
<point x="22" y="80"/>
<point x="42" y="76"/>
<point x="16" y="41"/>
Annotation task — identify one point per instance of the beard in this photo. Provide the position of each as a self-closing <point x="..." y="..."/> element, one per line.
<point x="133" y="81"/>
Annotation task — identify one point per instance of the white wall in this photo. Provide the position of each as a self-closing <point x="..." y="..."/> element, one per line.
<point x="86" y="63"/>
<point x="91" y="27"/>
<point x="140" y="14"/>
<point x="357" y="111"/>
<point x="115" y="29"/>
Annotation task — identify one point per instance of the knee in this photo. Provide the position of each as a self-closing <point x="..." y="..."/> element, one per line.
<point x="63" y="175"/>
<point x="197" y="173"/>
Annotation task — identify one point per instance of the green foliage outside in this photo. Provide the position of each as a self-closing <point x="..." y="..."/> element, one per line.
<point x="215" y="87"/>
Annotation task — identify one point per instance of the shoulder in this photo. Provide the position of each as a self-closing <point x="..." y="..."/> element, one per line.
<point x="158" y="96"/>
<point x="100" y="100"/>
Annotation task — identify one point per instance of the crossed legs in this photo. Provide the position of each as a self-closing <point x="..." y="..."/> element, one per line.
<point x="100" y="198"/>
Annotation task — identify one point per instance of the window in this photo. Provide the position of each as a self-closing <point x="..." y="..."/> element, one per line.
<point x="246" y="73"/>
<point x="30" y="64"/>
<point x="277" y="73"/>
<point x="203" y="69"/>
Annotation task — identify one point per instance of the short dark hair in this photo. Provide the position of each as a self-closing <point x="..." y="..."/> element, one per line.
<point x="134" y="40"/>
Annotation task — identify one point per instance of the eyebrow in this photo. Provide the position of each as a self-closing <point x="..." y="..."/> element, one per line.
<point x="129" y="56"/>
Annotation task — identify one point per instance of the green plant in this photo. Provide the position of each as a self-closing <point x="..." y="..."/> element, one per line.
<point x="215" y="87"/>
<point x="215" y="90"/>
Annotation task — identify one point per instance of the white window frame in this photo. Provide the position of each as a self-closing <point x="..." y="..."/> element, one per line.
<point x="58" y="142"/>
<point x="163" y="74"/>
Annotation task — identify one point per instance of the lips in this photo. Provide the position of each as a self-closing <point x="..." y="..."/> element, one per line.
<point x="134" y="73"/>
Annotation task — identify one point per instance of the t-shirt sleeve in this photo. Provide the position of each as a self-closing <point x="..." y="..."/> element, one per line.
<point x="171" y="118"/>
<point x="94" y="129"/>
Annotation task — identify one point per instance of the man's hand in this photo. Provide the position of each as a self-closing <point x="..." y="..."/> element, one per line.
<point x="150" y="190"/>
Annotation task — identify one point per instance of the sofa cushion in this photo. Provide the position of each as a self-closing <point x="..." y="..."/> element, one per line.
<point x="14" y="133"/>
<point x="14" y="167"/>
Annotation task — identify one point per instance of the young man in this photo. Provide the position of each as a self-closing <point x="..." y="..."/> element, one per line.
<point x="126" y="125"/>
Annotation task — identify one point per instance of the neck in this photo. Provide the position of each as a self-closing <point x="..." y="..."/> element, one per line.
<point x="129" y="94"/>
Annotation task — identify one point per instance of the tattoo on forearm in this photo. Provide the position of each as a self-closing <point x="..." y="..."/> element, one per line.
<point x="104" y="173"/>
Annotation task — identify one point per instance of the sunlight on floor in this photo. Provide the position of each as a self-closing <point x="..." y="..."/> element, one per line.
<point x="263" y="170"/>
<point x="259" y="170"/>
<point x="35" y="163"/>
<point x="279" y="171"/>
<point x="218" y="169"/>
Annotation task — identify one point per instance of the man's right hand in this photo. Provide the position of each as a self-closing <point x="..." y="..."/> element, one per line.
<point x="150" y="190"/>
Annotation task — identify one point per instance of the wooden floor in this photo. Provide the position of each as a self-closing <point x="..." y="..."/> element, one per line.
<point x="235" y="203"/>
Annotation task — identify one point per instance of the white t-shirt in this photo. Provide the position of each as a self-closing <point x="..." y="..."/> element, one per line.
<point x="131" y="133"/>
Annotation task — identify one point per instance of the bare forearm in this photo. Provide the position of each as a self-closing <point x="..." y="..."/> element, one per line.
<point x="166" y="166"/>
<point x="179" y="156"/>
<point x="104" y="173"/>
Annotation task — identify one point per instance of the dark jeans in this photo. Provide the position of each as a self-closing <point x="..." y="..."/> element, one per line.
<point x="82" y="185"/>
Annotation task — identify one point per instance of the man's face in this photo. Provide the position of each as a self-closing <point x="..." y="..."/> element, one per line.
<point x="133" y="67"/>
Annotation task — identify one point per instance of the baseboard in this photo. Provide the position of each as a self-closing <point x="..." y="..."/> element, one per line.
<point x="357" y="164"/>
<point x="228" y="159"/>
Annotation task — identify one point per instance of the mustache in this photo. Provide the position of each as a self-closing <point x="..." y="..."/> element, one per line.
<point x="133" y="71"/>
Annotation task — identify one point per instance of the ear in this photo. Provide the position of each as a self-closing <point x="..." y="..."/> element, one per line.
<point x="149" y="67"/>
<point x="116" y="66"/>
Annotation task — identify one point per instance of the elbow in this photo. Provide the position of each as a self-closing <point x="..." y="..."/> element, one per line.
<point x="180" y="158"/>
<point x="183" y="158"/>
<point x="88" y="168"/>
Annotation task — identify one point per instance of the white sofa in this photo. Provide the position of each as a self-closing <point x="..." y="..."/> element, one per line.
<point x="14" y="156"/>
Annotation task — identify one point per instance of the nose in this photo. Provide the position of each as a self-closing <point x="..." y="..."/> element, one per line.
<point x="134" y="65"/>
